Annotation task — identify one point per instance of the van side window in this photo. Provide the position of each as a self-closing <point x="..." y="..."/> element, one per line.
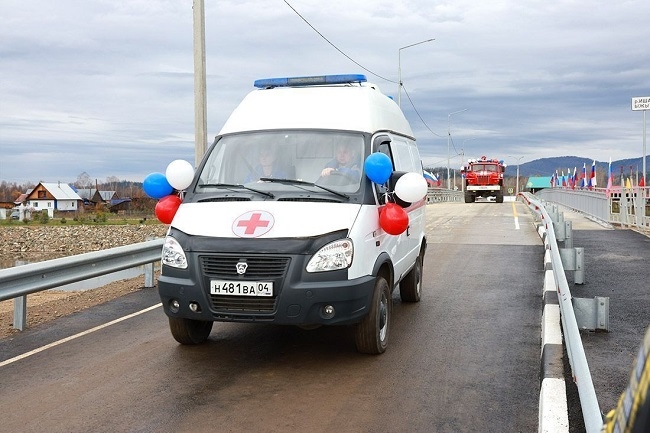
<point x="403" y="157"/>
<point x="381" y="190"/>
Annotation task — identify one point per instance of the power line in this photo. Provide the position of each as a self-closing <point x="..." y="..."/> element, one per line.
<point x="361" y="66"/>
<point x="416" y="112"/>
<point x="337" y="48"/>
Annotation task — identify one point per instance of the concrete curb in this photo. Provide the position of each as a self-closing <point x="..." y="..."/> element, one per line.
<point x="553" y="411"/>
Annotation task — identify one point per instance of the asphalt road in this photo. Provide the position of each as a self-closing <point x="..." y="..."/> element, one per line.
<point x="466" y="358"/>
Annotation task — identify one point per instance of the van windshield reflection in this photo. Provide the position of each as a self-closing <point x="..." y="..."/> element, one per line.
<point x="329" y="160"/>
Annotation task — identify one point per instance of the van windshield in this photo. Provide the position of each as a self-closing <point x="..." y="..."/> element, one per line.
<point x="332" y="159"/>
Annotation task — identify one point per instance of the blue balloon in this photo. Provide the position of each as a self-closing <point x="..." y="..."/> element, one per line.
<point x="378" y="167"/>
<point x="156" y="185"/>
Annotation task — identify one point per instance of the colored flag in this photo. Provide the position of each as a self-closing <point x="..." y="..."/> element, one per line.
<point x="592" y="179"/>
<point x="563" y="179"/>
<point x="583" y="184"/>
<point x="610" y="177"/>
<point x="430" y="178"/>
<point x="575" y="177"/>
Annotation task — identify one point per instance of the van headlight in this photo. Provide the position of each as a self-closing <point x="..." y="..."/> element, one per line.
<point x="333" y="256"/>
<point x="173" y="254"/>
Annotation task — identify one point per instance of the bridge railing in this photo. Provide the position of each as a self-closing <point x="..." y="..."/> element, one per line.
<point x="441" y="195"/>
<point x="628" y="207"/>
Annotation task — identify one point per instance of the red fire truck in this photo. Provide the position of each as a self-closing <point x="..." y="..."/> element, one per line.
<point x="483" y="178"/>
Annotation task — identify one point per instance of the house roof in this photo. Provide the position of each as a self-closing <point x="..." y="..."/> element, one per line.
<point x="107" y="195"/>
<point x="539" y="182"/>
<point x="61" y="191"/>
<point x="86" y="193"/>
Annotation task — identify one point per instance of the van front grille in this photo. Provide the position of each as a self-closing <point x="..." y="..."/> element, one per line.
<point x="215" y="266"/>
<point x="258" y="268"/>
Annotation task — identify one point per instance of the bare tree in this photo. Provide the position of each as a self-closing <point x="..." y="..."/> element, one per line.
<point x="84" y="181"/>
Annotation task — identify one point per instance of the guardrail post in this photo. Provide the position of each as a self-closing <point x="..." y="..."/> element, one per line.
<point x="568" y="234"/>
<point x="560" y="228"/>
<point x="20" y="312"/>
<point x="579" y="271"/>
<point x="573" y="259"/>
<point x="148" y="275"/>
<point x="592" y="314"/>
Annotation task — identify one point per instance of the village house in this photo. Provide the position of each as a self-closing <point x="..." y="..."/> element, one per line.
<point x="53" y="197"/>
<point x="110" y="199"/>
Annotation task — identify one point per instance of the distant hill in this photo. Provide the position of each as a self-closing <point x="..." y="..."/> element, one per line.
<point x="547" y="166"/>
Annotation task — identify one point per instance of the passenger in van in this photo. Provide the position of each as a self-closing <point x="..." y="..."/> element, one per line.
<point x="267" y="167"/>
<point x="345" y="163"/>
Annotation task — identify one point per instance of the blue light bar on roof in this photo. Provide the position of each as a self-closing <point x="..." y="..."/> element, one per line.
<point x="309" y="81"/>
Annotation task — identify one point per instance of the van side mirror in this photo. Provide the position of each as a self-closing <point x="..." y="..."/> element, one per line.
<point x="392" y="181"/>
<point x="379" y="140"/>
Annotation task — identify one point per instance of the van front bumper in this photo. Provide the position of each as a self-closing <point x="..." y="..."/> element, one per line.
<point x="299" y="298"/>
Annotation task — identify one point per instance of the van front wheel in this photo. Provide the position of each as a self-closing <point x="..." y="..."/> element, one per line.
<point x="188" y="331"/>
<point x="371" y="335"/>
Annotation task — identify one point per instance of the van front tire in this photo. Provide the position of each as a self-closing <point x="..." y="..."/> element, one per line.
<point x="371" y="335"/>
<point x="188" y="331"/>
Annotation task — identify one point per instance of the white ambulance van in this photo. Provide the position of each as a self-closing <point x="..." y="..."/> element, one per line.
<point x="282" y="225"/>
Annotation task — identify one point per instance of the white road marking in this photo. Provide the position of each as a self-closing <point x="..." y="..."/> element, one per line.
<point x="516" y="216"/>
<point x="72" y="337"/>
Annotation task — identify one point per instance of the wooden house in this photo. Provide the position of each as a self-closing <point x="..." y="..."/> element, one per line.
<point x="53" y="197"/>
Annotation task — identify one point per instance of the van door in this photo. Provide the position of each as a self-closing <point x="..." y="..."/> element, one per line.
<point x="405" y="245"/>
<point x="408" y="160"/>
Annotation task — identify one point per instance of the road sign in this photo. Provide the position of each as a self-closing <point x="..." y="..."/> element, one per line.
<point x="641" y="103"/>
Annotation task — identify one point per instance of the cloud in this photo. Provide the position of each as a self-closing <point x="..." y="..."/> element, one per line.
<point x="107" y="87"/>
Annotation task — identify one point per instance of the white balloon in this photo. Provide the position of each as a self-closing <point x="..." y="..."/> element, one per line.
<point x="411" y="187"/>
<point x="179" y="174"/>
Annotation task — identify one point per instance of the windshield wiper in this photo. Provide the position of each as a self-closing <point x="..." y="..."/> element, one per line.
<point x="230" y="186"/>
<point x="302" y="182"/>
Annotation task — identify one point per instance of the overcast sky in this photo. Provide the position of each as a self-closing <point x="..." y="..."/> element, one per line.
<point x="106" y="86"/>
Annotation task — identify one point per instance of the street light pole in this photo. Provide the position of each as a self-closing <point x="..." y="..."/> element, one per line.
<point x="448" y="140"/>
<point x="462" y="162"/>
<point x="518" y="158"/>
<point x="399" y="70"/>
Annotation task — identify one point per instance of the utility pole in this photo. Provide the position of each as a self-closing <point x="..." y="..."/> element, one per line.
<point x="200" y="110"/>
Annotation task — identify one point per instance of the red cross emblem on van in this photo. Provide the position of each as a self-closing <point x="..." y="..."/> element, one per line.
<point x="253" y="224"/>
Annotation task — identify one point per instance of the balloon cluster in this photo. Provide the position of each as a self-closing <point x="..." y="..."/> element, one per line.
<point x="167" y="188"/>
<point x="409" y="187"/>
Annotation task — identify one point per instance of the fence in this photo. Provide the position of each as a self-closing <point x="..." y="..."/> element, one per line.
<point x="628" y="207"/>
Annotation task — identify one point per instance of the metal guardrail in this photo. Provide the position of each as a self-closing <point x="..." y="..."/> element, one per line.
<point x="577" y="358"/>
<point x="440" y="195"/>
<point x="17" y="282"/>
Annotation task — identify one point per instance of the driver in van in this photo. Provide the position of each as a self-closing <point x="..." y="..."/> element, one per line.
<point x="345" y="163"/>
<point x="268" y="167"/>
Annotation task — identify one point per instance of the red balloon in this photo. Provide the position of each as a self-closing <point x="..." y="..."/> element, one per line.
<point x="166" y="208"/>
<point x="393" y="219"/>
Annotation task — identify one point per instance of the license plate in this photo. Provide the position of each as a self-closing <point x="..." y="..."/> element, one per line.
<point x="241" y="288"/>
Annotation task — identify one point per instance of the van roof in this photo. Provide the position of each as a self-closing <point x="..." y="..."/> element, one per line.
<point x="351" y="106"/>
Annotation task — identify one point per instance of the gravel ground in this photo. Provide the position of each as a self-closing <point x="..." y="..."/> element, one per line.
<point x="35" y="243"/>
